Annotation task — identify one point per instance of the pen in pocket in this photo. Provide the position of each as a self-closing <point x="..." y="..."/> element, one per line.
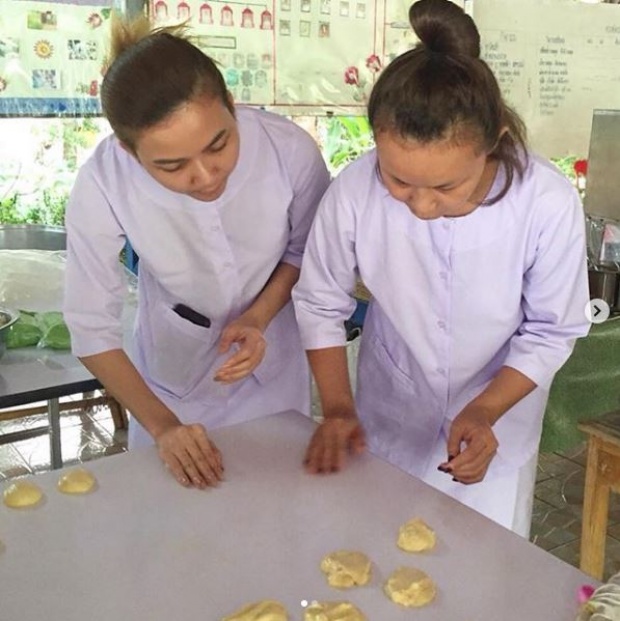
<point x="182" y="310"/>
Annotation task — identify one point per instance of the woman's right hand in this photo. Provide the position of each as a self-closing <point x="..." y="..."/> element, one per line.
<point x="190" y="455"/>
<point x="335" y="438"/>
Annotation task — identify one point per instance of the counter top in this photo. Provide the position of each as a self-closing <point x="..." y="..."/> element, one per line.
<point x="143" y="548"/>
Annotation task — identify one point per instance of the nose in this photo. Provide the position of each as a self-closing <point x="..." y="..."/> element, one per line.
<point x="421" y="203"/>
<point x="202" y="175"/>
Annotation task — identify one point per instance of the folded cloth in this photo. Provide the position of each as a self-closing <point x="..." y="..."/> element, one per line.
<point x="586" y="387"/>
<point x="604" y="605"/>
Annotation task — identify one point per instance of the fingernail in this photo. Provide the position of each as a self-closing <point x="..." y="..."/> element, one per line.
<point x="441" y="469"/>
<point x="451" y="457"/>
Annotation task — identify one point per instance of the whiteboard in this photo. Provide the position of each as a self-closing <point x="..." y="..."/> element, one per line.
<point x="556" y="62"/>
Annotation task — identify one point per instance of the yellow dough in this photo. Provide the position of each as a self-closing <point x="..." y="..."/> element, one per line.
<point x="416" y="536"/>
<point x="333" y="611"/>
<point x="410" y="587"/>
<point x="267" y="610"/>
<point x="345" y="569"/>
<point x="22" y="494"/>
<point x="78" y="481"/>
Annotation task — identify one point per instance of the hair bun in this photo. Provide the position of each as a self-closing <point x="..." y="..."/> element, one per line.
<point x="444" y="28"/>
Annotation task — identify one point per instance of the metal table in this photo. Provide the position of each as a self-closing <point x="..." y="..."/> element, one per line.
<point x="30" y="375"/>
<point x="143" y="547"/>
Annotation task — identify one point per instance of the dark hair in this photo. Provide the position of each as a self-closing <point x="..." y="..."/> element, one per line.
<point x="443" y="90"/>
<point x="151" y="73"/>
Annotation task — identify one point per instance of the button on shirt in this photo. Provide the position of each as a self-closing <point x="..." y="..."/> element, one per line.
<point x="454" y="300"/>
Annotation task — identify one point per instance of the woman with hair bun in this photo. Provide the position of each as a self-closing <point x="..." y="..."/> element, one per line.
<point x="474" y="251"/>
<point x="217" y="201"/>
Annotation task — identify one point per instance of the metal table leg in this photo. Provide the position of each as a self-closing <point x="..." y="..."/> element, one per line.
<point x="53" y="416"/>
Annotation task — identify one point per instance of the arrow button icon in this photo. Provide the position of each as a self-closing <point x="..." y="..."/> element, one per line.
<point x="597" y="310"/>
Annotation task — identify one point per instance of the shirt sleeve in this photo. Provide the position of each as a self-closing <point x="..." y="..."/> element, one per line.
<point x="310" y="178"/>
<point x="94" y="279"/>
<point x="555" y="292"/>
<point x="323" y="296"/>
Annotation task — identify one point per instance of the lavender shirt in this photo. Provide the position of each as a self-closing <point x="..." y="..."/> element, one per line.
<point x="214" y="257"/>
<point x="454" y="300"/>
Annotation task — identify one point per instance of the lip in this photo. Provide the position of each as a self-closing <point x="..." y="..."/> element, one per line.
<point x="209" y="194"/>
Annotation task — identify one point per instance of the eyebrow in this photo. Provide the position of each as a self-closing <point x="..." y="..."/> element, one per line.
<point x="440" y="186"/>
<point x="179" y="160"/>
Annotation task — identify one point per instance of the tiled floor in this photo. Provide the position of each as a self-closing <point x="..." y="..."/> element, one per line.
<point x="556" y="523"/>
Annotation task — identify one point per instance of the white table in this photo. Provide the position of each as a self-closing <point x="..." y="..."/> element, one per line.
<point x="142" y="548"/>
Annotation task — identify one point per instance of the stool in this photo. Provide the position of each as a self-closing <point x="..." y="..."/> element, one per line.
<point x="602" y="477"/>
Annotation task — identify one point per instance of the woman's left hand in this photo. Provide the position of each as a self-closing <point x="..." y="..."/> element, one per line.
<point x="251" y="351"/>
<point x="471" y="445"/>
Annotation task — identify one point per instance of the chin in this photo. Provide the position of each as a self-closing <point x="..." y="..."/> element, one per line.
<point x="210" y="195"/>
<point x="426" y="216"/>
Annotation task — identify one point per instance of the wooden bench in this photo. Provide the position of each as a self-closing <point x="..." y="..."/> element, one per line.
<point x="602" y="478"/>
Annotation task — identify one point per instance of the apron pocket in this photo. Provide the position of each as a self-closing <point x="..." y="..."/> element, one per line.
<point x="400" y="427"/>
<point x="182" y="352"/>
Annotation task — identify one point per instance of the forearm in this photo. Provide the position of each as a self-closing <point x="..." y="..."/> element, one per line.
<point x="274" y="296"/>
<point x="331" y="373"/>
<point x="506" y="389"/>
<point x="121" y="379"/>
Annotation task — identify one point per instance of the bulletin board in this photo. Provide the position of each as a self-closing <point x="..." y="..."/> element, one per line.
<point x="556" y="61"/>
<point x="298" y="56"/>
<point x="51" y="56"/>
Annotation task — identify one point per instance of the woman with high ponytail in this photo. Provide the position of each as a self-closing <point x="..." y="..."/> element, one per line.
<point x="217" y="201"/>
<point x="473" y="249"/>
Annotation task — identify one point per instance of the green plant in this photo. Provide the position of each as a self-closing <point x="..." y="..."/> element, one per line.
<point x="345" y="139"/>
<point x="9" y="213"/>
<point x="55" y="202"/>
<point x="566" y="165"/>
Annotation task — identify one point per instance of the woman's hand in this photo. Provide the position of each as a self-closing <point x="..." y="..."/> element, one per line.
<point x="473" y="426"/>
<point x="471" y="445"/>
<point x="334" y="439"/>
<point x="251" y="350"/>
<point x="190" y="455"/>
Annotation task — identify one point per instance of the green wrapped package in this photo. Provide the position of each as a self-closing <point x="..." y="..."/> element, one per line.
<point x="25" y="332"/>
<point x="55" y="331"/>
<point x="40" y="329"/>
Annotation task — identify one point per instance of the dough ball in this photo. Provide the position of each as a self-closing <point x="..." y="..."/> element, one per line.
<point x="22" y="494"/>
<point x="333" y="611"/>
<point x="410" y="587"/>
<point x="77" y="481"/>
<point x="345" y="569"/>
<point x="416" y="536"/>
<point x="267" y="610"/>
